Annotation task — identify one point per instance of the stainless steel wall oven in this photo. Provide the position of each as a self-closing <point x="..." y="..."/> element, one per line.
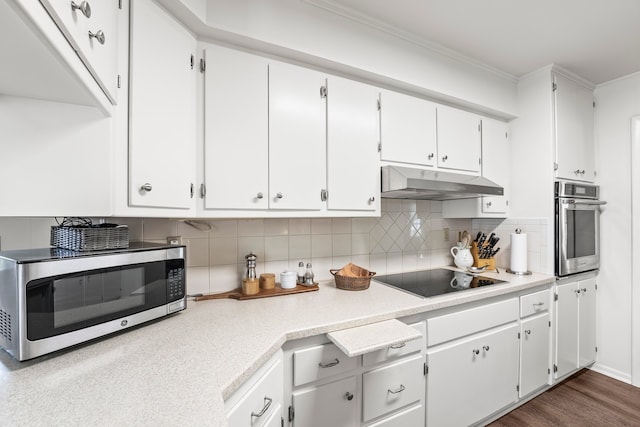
<point x="577" y="227"/>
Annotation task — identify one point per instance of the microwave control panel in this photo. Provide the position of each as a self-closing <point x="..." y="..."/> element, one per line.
<point x="176" y="284"/>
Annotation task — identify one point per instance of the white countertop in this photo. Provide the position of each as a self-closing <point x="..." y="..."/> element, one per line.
<point x="179" y="370"/>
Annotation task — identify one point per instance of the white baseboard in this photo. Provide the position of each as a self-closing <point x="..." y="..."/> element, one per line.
<point x="613" y="373"/>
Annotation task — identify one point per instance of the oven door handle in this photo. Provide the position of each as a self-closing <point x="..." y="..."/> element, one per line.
<point x="584" y="202"/>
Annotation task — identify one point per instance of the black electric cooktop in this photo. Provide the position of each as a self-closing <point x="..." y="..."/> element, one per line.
<point x="429" y="283"/>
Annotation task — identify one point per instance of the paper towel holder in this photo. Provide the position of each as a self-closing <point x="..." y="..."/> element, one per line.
<point x="519" y="273"/>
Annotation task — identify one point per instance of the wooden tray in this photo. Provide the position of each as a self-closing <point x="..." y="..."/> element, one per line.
<point x="263" y="293"/>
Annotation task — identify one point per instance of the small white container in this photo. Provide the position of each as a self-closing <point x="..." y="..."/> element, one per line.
<point x="288" y="279"/>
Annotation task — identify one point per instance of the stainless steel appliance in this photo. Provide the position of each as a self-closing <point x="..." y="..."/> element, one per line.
<point x="54" y="298"/>
<point x="439" y="281"/>
<point x="411" y="183"/>
<point x="577" y="227"/>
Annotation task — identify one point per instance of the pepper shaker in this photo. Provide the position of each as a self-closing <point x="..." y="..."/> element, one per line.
<point x="308" y="276"/>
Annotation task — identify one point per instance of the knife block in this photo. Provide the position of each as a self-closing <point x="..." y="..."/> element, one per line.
<point x="490" y="263"/>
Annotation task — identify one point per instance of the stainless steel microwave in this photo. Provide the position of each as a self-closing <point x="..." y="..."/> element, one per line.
<point x="54" y="298"/>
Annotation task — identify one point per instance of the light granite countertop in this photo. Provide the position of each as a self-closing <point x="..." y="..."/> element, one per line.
<point x="179" y="370"/>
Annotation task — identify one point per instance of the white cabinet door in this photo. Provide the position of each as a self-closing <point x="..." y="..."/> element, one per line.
<point x="236" y="152"/>
<point x="162" y="120"/>
<point x="407" y="129"/>
<point x="392" y="386"/>
<point x="535" y="335"/>
<point x="297" y="137"/>
<point x="458" y="139"/>
<point x="99" y="52"/>
<point x="574" y="123"/>
<point x="496" y="163"/>
<point x="587" y="322"/>
<point x="566" y="329"/>
<point x="472" y="378"/>
<point x="332" y="404"/>
<point x="353" y="168"/>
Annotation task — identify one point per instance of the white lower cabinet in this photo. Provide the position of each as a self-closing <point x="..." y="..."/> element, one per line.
<point x="258" y="403"/>
<point x="472" y="378"/>
<point x="575" y="325"/>
<point x="392" y="387"/>
<point x="472" y="363"/>
<point x="332" y="404"/>
<point x="535" y="341"/>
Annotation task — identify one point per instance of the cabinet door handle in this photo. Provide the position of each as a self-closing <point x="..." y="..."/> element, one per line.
<point x="146" y="187"/>
<point x="528" y="332"/>
<point x="84" y="7"/>
<point x="259" y="195"/>
<point x="397" y="346"/>
<point x="349" y="396"/>
<point x="577" y="291"/>
<point x="444" y="158"/>
<point x="330" y="364"/>
<point x="475" y="351"/>
<point x="99" y="35"/>
<point x="584" y="290"/>
<point x="485" y="347"/>
<point x="396" y="391"/>
<point x="372" y="199"/>
<point x="430" y="156"/>
<point x="279" y="195"/>
<point x="265" y="408"/>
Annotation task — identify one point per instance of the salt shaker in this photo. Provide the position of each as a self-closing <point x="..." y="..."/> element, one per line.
<point x="308" y="276"/>
<point x="301" y="272"/>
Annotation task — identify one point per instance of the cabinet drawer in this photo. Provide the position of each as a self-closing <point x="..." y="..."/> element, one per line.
<point x="392" y="387"/>
<point x="465" y="322"/>
<point x="321" y="361"/>
<point x="264" y="398"/>
<point x="397" y="351"/>
<point x="413" y="416"/>
<point x="537" y="302"/>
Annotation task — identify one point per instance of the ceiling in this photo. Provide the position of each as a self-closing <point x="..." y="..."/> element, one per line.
<point x="598" y="40"/>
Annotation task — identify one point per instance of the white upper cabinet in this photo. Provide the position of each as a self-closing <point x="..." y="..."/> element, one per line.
<point x="496" y="164"/>
<point x="162" y="102"/>
<point x="236" y="153"/>
<point x="91" y="27"/>
<point x="39" y="62"/>
<point x="297" y="137"/>
<point x="407" y="129"/>
<point x="353" y="168"/>
<point x="458" y="140"/>
<point x="574" y="121"/>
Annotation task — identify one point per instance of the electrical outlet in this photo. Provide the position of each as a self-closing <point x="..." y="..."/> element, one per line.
<point x="446" y="234"/>
<point x="174" y="240"/>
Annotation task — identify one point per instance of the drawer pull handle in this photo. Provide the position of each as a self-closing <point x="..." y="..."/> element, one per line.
<point x="398" y="390"/>
<point x="330" y="364"/>
<point x="349" y="396"/>
<point x="475" y="351"/>
<point x="538" y="305"/>
<point x="397" y="346"/>
<point x="528" y="332"/>
<point x="267" y="404"/>
<point x="485" y="347"/>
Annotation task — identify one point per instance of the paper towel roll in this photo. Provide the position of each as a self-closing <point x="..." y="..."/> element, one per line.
<point x="518" y="252"/>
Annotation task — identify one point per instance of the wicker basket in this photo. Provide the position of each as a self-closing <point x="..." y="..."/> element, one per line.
<point x="352" y="283"/>
<point x="90" y="238"/>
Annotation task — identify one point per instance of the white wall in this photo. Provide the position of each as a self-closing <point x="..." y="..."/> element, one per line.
<point x="309" y="33"/>
<point x="616" y="103"/>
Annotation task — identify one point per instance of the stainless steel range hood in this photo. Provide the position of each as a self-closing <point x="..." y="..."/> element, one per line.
<point x="409" y="183"/>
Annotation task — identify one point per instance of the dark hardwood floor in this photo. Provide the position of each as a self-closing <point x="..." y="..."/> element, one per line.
<point x="585" y="399"/>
